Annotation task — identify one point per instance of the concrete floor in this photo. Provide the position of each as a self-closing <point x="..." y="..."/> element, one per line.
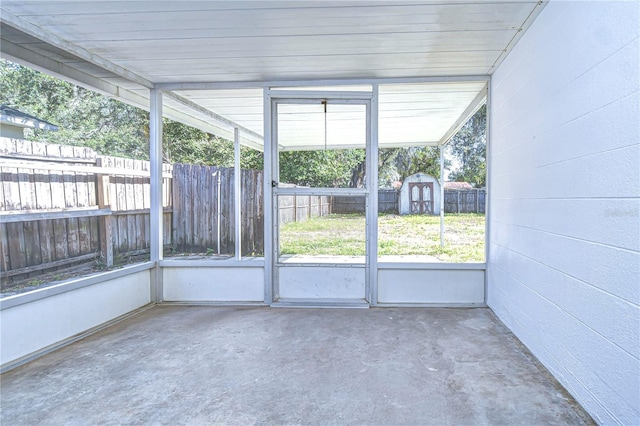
<point x="211" y="365"/>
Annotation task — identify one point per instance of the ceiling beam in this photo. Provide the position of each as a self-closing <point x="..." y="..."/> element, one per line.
<point x="474" y="106"/>
<point x="356" y="146"/>
<point x="212" y="85"/>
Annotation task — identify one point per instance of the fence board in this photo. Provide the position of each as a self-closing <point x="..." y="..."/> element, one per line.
<point x="129" y="204"/>
<point x="246" y="225"/>
<point x="43" y="202"/>
<point x="176" y="223"/>
<point x="70" y="200"/>
<point x="231" y="211"/>
<point x="82" y="194"/>
<point x="4" y="242"/>
<point x="138" y="203"/>
<point x="28" y="202"/>
<point x="15" y="231"/>
<point x="167" y="197"/>
<point x="188" y="207"/>
<point x="122" y="245"/>
<point x="84" y="223"/>
<point x="207" y="221"/>
<point x="61" y="247"/>
<point x="4" y="248"/>
<point x="145" y="193"/>
<point x="227" y="211"/>
<point x="31" y="234"/>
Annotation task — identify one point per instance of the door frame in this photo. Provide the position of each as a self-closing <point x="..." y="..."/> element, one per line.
<point x="271" y="99"/>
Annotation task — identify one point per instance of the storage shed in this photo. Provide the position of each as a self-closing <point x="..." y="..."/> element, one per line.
<point x="420" y="194"/>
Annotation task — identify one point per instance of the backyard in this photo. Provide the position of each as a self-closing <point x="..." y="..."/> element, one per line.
<point x="412" y="235"/>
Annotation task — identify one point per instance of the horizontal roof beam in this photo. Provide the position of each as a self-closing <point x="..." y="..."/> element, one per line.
<point x="221" y="85"/>
<point x="357" y="146"/>
<point x="474" y="106"/>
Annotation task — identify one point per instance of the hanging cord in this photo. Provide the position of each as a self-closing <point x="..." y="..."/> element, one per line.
<point x="324" y="102"/>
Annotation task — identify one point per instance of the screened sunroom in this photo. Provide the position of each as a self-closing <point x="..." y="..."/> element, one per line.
<point x="552" y="281"/>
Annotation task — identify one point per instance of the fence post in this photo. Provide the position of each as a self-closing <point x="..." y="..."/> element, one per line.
<point x="458" y="202"/>
<point x="104" y="202"/>
<point x="295" y="208"/>
<point x="477" y="201"/>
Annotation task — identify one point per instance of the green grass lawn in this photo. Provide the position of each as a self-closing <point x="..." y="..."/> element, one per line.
<point x="344" y="234"/>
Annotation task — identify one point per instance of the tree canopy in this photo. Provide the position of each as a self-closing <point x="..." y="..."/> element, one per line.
<point x="469" y="147"/>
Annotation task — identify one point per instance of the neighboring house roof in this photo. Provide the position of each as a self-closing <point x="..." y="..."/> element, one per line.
<point x="458" y="186"/>
<point x="13" y="117"/>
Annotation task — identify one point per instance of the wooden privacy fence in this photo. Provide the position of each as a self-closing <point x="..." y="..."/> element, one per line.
<point x="203" y="203"/>
<point x="470" y="201"/>
<point x="298" y="208"/>
<point x="387" y="202"/>
<point x="203" y="209"/>
<point x="58" y="204"/>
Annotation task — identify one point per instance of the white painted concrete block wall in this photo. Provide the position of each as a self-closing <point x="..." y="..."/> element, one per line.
<point x="31" y="327"/>
<point x="564" y="261"/>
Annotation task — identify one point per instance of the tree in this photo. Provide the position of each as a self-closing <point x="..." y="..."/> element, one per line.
<point x="396" y="164"/>
<point x="325" y="169"/>
<point x="468" y="147"/>
<point x="108" y="126"/>
<point x="85" y="118"/>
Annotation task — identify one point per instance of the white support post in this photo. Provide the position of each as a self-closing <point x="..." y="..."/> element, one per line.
<point x="156" y="210"/>
<point x="237" y="174"/>
<point x="441" y="196"/>
<point x="268" y="200"/>
<point x="487" y="203"/>
<point x="372" y="187"/>
<point x="218" y="175"/>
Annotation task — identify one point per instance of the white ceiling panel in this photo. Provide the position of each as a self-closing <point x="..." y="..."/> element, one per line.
<point x="124" y="47"/>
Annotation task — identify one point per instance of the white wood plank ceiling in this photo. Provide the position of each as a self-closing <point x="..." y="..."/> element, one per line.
<point x="124" y="47"/>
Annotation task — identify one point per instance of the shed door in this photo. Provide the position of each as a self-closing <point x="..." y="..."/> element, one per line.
<point x="421" y="197"/>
